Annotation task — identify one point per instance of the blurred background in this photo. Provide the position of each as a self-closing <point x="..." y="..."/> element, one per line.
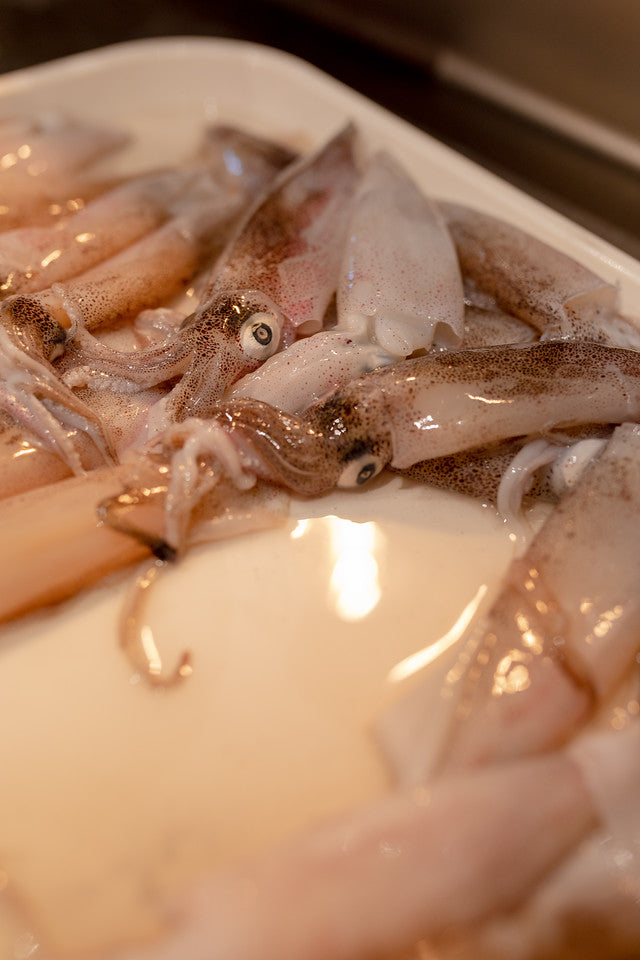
<point x="545" y="94"/>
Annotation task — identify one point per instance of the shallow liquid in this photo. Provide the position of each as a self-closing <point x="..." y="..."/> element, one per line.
<point x="114" y="795"/>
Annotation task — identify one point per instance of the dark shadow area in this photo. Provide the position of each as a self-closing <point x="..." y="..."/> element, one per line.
<point x="597" y="193"/>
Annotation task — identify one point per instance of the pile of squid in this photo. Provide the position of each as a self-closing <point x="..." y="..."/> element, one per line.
<point x="183" y="350"/>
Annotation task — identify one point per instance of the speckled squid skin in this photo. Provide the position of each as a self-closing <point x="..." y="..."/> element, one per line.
<point x="284" y="258"/>
<point x="289" y="245"/>
<point x="528" y="278"/>
<point x="440" y="404"/>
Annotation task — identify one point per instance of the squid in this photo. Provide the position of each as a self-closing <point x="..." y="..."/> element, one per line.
<point x="41" y="164"/>
<point x="400" y="280"/>
<point x="534" y="281"/>
<point x="435" y="406"/>
<point x="275" y="279"/>
<point x="567" y="631"/>
<point x="402" y="414"/>
<point x="198" y="205"/>
<point x="558" y="639"/>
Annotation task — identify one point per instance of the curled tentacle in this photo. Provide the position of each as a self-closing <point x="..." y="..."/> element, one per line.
<point x="222" y="510"/>
<point x="136" y="637"/>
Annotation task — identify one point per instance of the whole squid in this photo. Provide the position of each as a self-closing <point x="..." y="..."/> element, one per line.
<point x="434" y="406"/>
<point x="558" y="639"/>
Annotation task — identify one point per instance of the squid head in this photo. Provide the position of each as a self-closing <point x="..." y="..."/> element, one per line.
<point x="235" y="334"/>
<point x="343" y="441"/>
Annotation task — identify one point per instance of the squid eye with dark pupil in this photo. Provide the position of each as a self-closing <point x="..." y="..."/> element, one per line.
<point x="360" y="470"/>
<point x="259" y="336"/>
<point x="263" y="334"/>
<point x="369" y="470"/>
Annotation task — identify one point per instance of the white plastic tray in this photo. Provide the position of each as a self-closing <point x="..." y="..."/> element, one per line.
<point x="112" y="794"/>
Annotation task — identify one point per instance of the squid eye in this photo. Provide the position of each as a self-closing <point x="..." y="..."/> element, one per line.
<point x="359" y="470"/>
<point x="259" y="336"/>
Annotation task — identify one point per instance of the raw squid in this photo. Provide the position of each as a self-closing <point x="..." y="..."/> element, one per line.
<point x="400" y="278"/>
<point x="437" y="405"/>
<point x="532" y="280"/>
<point x="143" y="274"/>
<point x="39" y="168"/>
<point x="565" y="619"/>
<point x="559" y="637"/>
<point x="277" y="276"/>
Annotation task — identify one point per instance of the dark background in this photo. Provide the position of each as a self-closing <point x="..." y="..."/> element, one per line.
<point x="595" y="191"/>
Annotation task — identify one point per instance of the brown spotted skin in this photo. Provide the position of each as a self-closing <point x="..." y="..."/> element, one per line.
<point x="478" y="472"/>
<point x="497" y="394"/>
<point x="32" y="327"/>
<point x="528" y="278"/>
<point x="285" y="247"/>
<point x="217" y="358"/>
